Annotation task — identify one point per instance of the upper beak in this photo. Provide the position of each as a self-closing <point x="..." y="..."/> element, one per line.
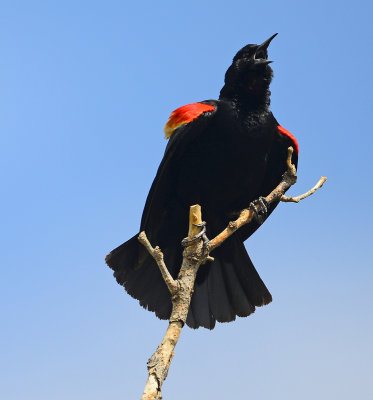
<point x="266" y="43"/>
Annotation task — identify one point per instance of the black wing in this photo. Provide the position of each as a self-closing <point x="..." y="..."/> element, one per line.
<point x="163" y="200"/>
<point x="275" y="169"/>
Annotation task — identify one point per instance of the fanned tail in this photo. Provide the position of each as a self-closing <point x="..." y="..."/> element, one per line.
<point x="137" y="271"/>
<point x="228" y="287"/>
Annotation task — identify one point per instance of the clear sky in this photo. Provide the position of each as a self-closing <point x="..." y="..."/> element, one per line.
<point x="86" y="88"/>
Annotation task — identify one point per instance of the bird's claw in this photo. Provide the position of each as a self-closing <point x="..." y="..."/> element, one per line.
<point x="206" y="241"/>
<point x="187" y="242"/>
<point x="260" y="215"/>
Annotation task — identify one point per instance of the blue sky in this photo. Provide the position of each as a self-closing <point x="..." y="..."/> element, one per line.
<point x="86" y="90"/>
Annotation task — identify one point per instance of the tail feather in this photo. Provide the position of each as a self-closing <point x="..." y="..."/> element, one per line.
<point x="255" y="289"/>
<point x="228" y="287"/>
<point x="157" y="297"/>
<point x="191" y="320"/>
<point x="218" y="297"/>
<point x="240" y="303"/>
<point x="138" y="273"/>
<point x="200" y="306"/>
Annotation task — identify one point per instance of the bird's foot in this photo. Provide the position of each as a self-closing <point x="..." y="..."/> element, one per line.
<point x="206" y="242"/>
<point x="187" y="242"/>
<point x="260" y="215"/>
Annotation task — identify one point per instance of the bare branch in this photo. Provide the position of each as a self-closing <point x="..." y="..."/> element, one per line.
<point x="297" y="199"/>
<point x="245" y="217"/>
<point x="288" y="179"/>
<point x="159" y="362"/>
<point x="157" y="254"/>
<point x="194" y="255"/>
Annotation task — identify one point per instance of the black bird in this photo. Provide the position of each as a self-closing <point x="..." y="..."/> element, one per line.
<point x="222" y="154"/>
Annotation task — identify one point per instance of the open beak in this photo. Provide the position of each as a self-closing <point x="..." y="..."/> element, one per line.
<point x="265" y="44"/>
<point x="263" y="47"/>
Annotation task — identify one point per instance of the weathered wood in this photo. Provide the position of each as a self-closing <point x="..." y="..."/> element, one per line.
<point x="194" y="256"/>
<point x="181" y="291"/>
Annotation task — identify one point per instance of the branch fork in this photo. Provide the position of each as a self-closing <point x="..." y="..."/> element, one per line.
<point x="194" y="255"/>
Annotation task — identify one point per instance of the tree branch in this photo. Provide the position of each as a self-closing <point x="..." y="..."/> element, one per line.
<point x="297" y="199"/>
<point x="157" y="254"/>
<point x="194" y="256"/>
<point x="288" y="179"/>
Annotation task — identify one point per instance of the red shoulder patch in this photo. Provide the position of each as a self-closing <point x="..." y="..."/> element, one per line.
<point x="184" y="115"/>
<point x="290" y="136"/>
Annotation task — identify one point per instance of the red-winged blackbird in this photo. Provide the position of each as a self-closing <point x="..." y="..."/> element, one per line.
<point x="222" y="154"/>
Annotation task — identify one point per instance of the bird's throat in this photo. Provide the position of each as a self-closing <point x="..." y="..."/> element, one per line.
<point x="254" y="97"/>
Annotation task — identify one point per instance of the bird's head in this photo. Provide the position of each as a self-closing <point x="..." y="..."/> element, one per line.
<point x="250" y="73"/>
